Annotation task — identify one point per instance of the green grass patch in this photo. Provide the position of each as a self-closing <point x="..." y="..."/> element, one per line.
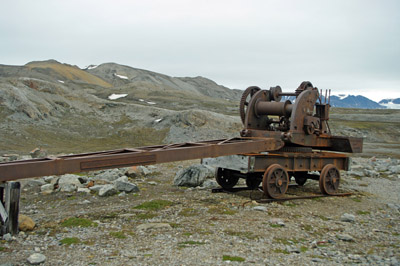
<point x="174" y="225"/>
<point x="233" y="258"/>
<point x="356" y="199"/>
<point x="287" y="241"/>
<point x="2" y="248"/>
<point x="154" y="205"/>
<point x="190" y="243"/>
<point x="363" y="212"/>
<point x="275" y="225"/>
<point x="323" y="218"/>
<point x="70" y="240"/>
<point x="307" y="227"/>
<point x="78" y="222"/>
<point x="119" y="235"/>
<point x="248" y="235"/>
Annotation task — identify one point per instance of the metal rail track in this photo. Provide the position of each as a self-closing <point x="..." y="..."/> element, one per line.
<point x="238" y="189"/>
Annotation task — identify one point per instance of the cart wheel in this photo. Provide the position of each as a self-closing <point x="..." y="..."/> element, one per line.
<point x="253" y="181"/>
<point x="300" y="178"/>
<point x="275" y="181"/>
<point x="225" y="178"/>
<point x="329" y="179"/>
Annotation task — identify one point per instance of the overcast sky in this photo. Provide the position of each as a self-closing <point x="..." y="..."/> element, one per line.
<point x="350" y="46"/>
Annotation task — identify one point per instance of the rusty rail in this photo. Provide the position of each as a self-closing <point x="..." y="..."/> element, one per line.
<point x="136" y="156"/>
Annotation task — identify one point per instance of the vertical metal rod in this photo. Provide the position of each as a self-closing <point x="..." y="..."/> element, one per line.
<point x="329" y="99"/>
<point x="326" y="92"/>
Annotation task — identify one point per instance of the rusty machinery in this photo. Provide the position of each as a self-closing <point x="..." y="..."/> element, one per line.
<point x="280" y="139"/>
<point x="303" y="127"/>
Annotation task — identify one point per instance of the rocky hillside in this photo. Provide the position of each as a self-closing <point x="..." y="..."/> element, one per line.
<point x="63" y="108"/>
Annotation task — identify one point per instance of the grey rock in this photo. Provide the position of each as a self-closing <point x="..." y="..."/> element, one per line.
<point x="126" y="186"/>
<point x="96" y="188"/>
<point x="394" y="206"/>
<point x="107" y="190"/>
<point x="209" y="184"/>
<point x="346" y="217"/>
<point x="356" y="173"/>
<point x="395" y="169"/>
<point x="316" y="260"/>
<point x="47" y="188"/>
<point x="143" y="170"/>
<point x="36" y="259"/>
<point x="7" y="264"/>
<point x="83" y="190"/>
<point x="193" y="176"/>
<point x="153" y="183"/>
<point x="32" y="182"/>
<point x="69" y="179"/>
<point x="48" y="179"/>
<point x="260" y="208"/>
<point x="122" y="179"/>
<point x="38" y="153"/>
<point x="109" y="175"/>
<point x="148" y="226"/>
<point x="67" y="187"/>
<point x="371" y="173"/>
<point x="345" y="237"/>
<point x="277" y="221"/>
<point x="7" y="237"/>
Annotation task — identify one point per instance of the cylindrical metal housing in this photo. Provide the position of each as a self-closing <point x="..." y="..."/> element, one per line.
<point x="274" y="108"/>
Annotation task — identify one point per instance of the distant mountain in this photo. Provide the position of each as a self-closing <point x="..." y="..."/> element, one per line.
<point x="350" y="101"/>
<point x="391" y="103"/>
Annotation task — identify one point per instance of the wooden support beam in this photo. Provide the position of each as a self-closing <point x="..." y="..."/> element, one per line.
<point x="9" y="207"/>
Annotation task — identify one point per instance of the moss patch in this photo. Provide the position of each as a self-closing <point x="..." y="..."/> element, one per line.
<point x="119" y="235"/>
<point x="154" y="205"/>
<point x="232" y="258"/>
<point x="70" y="241"/>
<point x="78" y="222"/>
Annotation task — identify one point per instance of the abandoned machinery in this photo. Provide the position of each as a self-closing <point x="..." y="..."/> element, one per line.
<point x="309" y="150"/>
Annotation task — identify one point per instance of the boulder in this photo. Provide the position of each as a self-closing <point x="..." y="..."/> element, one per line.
<point x="107" y="190"/>
<point x="25" y="223"/>
<point x="143" y="170"/>
<point x="209" y="184"/>
<point x="96" y="188"/>
<point x="193" y="176"/>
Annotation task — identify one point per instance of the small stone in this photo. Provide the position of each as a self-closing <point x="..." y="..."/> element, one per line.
<point x="153" y="183"/>
<point x="68" y="187"/>
<point x="83" y="190"/>
<point x="37" y="249"/>
<point x="108" y="175"/>
<point x="148" y="226"/>
<point x="209" y="184"/>
<point x="36" y="258"/>
<point x="38" y="153"/>
<point x="107" y="190"/>
<point x="96" y="188"/>
<point x="316" y="260"/>
<point x="7" y="237"/>
<point x="69" y="179"/>
<point x="260" y="208"/>
<point x="132" y="172"/>
<point x="25" y="223"/>
<point x="126" y="186"/>
<point x="85" y="202"/>
<point x="47" y="188"/>
<point x="122" y="194"/>
<point x="345" y="237"/>
<point x="277" y="221"/>
<point x="143" y="170"/>
<point x="346" y="217"/>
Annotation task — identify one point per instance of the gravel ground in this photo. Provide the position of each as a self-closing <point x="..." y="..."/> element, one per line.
<point x="193" y="226"/>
